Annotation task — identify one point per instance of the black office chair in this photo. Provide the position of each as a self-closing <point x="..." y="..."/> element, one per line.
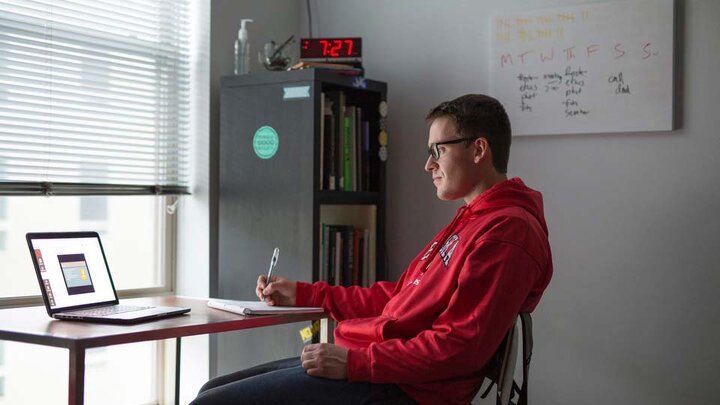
<point x="501" y="368"/>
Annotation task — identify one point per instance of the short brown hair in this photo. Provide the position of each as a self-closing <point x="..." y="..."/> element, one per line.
<point x="478" y="115"/>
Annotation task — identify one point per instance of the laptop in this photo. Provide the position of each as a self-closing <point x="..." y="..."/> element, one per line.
<point x="76" y="284"/>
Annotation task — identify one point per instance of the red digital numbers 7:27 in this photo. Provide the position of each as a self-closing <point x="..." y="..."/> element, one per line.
<point x="330" y="48"/>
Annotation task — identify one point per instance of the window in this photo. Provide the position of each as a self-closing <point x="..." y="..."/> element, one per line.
<point x="96" y="108"/>
<point x="132" y="233"/>
<point x="93" y="208"/>
<point x="3" y="208"/>
<point x="3" y="221"/>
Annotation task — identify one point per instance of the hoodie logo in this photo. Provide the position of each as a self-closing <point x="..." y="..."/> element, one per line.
<point x="427" y="254"/>
<point x="448" y="248"/>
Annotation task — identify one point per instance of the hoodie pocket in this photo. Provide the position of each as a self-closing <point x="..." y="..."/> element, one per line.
<point x="363" y="331"/>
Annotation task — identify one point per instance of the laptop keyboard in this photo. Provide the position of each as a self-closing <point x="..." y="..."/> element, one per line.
<point x="105" y="311"/>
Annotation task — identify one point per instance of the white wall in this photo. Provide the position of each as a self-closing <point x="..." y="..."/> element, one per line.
<point x="632" y="313"/>
<point x="193" y="220"/>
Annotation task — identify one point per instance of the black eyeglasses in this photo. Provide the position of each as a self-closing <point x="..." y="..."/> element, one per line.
<point x="434" y="151"/>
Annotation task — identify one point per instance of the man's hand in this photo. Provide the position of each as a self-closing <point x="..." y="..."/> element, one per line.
<point x="325" y="360"/>
<point x="281" y="291"/>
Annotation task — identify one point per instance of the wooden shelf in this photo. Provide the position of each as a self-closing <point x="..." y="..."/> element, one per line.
<point x="348" y="197"/>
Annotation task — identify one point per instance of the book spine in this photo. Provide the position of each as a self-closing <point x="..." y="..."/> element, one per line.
<point x="338" y="259"/>
<point x="325" y="253"/>
<point x="335" y="101"/>
<point x="357" y="262"/>
<point x="347" y="151"/>
<point x="366" y="155"/>
<point x="321" y="183"/>
<point x="331" y="256"/>
<point x="358" y="150"/>
<point x="339" y="112"/>
<point x="329" y="152"/>
<point x="366" y="258"/>
<point x="348" y="259"/>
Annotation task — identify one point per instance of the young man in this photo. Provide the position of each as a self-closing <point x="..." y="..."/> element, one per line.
<point x="426" y="337"/>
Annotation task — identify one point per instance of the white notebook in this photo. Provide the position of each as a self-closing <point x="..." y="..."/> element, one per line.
<point x="258" y="308"/>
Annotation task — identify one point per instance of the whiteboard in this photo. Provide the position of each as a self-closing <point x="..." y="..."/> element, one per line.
<point x="602" y="67"/>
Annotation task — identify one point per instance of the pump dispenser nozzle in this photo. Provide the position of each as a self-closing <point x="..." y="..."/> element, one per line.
<point x="242" y="33"/>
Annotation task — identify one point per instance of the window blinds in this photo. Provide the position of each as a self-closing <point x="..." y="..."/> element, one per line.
<point x="94" y="96"/>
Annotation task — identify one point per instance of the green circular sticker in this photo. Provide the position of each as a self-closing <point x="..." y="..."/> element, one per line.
<point x="265" y="142"/>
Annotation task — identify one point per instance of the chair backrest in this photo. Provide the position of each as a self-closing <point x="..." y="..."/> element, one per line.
<point x="508" y="357"/>
<point x="501" y="369"/>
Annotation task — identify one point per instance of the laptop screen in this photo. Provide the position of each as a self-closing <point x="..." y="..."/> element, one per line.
<point x="72" y="270"/>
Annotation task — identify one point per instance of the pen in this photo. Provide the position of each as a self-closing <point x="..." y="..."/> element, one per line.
<point x="273" y="263"/>
<point x="280" y="48"/>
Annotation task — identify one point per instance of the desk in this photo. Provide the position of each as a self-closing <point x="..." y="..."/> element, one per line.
<point x="33" y="325"/>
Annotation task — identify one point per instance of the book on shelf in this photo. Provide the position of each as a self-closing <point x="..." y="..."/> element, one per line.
<point x="345" y="255"/>
<point x="365" y="155"/>
<point x="357" y="169"/>
<point x="324" y="256"/>
<point x="334" y="136"/>
<point x="327" y="140"/>
<point x="322" y="141"/>
<point x="345" y="142"/>
<point x="349" y="149"/>
<point x="367" y="263"/>
<point x="357" y="269"/>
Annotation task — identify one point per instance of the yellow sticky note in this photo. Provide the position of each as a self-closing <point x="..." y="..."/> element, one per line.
<point x="306" y="334"/>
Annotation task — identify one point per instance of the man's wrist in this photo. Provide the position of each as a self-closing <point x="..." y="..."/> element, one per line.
<point x="303" y="294"/>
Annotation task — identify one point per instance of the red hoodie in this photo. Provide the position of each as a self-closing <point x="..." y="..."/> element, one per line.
<point x="433" y="330"/>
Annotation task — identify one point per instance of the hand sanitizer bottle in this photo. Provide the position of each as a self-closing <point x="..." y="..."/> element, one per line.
<point x="242" y="49"/>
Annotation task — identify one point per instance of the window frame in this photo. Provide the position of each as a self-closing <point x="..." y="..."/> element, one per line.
<point x="3" y="372"/>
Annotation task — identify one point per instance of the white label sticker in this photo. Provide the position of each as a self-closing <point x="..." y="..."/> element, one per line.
<point x="295" y="92"/>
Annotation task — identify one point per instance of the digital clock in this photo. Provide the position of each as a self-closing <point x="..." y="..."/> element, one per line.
<point x="331" y="49"/>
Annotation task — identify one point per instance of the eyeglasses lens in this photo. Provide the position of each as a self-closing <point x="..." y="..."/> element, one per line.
<point x="434" y="151"/>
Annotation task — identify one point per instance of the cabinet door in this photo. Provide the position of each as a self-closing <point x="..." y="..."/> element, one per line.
<point x="263" y="203"/>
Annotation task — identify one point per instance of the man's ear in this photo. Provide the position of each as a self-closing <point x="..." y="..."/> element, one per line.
<point x="482" y="149"/>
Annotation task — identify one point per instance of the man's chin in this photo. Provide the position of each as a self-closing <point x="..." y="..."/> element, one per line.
<point x="443" y="197"/>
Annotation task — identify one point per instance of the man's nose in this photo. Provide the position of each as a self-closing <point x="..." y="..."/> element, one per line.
<point x="430" y="163"/>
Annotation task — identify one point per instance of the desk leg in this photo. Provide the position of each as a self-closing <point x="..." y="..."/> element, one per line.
<point x="325" y="331"/>
<point x="76" y="383"/>
<point x="177" y="371"/>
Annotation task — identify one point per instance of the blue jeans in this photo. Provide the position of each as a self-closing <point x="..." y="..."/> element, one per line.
<point x="285" y="382"/>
